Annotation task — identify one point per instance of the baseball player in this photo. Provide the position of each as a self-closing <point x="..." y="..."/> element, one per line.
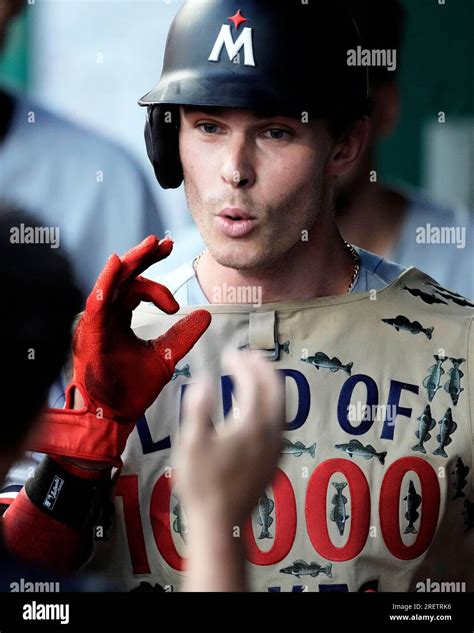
<point x="259" y="112"/>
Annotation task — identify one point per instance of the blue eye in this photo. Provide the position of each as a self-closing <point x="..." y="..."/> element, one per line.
<point x="277" y="134"/>
<point x="208" y="128"/>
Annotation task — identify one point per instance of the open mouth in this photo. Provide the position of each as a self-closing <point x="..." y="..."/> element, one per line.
<point x="235" y="214"/>
<point x="232" y="224"/>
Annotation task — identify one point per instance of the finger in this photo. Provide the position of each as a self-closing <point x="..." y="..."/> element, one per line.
<point x="240" y="366"/>
<point x="271" y="393"/>
<point x="198" y="404"/>
<point x="260" y="388"/>
<point x="142" y="289"/>
<point x="182" y="337"/>
<point x="105" y="288"/>
<point x="142" y="256"/>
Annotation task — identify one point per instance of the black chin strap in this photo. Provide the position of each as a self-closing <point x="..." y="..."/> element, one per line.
<point x="7" y="109"/>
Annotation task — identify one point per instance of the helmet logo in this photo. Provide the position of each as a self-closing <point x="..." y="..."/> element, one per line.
<point x="225" y="39"/>
<point x="238" y="19"/>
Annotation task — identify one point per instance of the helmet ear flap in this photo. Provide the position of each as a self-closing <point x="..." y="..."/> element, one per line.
<point x="162" y="144"/>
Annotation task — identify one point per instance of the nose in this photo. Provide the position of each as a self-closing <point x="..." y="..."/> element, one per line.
<point x="237" y="169"/>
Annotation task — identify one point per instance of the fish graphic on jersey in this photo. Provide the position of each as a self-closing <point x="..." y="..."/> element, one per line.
<point x="461" y="301"/>
<point x="265" y="508"/>
<point x="447" y="427"/>
<point x="320" y="360"/>
<point x="297" y="448"/>
<point x="403" y="323"/>
<point x="424" y="296"/>
<point x="458" y="299"/>
<point x="354" y="447"/>
<point x="437" y="287"/>
<point x="180" y="524"/>
<point x="426" y="424"/>
<point x="302" y="568"/>
<point x="181" y="372"/>
<point x="413" y="500"/>
<point x="460" y="473"/>
<point x="338" y="513"/>
<point x="432" y="381"/>
<point x="453" y="385"/>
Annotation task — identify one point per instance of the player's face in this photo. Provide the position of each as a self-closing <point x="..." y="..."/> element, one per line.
<point x="253" y="184"/>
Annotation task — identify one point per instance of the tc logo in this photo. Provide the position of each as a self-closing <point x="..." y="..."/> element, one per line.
<point x="233" y="48"/>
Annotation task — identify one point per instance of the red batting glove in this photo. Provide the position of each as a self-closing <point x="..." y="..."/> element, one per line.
<point x="118" y="374"/>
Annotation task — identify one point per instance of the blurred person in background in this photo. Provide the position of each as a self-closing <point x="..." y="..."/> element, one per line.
<point x="71" y="178"/>
<point x="87" y="189"/>
<point x="381" y="218"/>
<point x="39" y="303"/>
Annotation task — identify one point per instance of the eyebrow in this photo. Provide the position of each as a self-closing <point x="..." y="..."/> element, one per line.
<point x="219" y="111"/>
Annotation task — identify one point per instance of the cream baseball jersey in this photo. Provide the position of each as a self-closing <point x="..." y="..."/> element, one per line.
<point x="374" y="487"/>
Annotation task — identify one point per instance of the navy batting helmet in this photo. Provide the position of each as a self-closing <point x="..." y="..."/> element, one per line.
<point x="284" y="57"/>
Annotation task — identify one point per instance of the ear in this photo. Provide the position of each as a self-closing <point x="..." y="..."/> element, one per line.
<point x="346" y="151"/>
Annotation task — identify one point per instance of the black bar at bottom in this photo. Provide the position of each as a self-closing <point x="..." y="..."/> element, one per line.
<point x="236" y="613"/>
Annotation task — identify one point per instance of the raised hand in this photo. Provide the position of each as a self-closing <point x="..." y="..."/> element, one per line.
<point x="117" y="374"/>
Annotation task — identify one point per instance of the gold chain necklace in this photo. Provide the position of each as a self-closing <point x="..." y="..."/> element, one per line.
<point x="355" y="264"/>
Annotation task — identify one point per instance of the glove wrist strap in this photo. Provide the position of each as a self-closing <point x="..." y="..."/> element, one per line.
<point x="81" y="434"/>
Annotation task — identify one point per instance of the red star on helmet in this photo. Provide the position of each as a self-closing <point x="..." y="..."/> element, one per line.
<point x="238" y="19"/>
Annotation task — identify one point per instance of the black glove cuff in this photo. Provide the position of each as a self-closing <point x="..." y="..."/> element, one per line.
<point x="65" y="497"/>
